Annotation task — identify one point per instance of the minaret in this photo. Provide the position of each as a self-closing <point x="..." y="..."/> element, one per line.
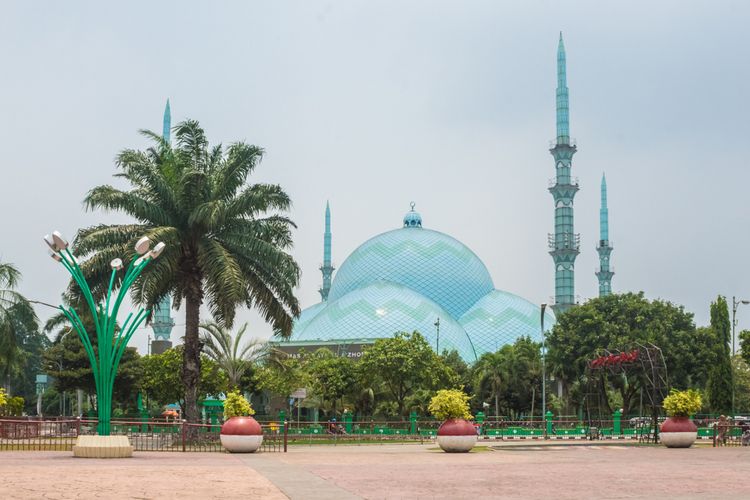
<point x="162" y="322"/>
<point x="564" y="244"/>
<point x="605" y="272"/>
<point x="327" y="268"/>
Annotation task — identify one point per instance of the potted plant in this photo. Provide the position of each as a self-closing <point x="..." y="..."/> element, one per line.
<point x="240" y="433"/>
<point x="456" y="434"/>
<point x="678" y="431"/>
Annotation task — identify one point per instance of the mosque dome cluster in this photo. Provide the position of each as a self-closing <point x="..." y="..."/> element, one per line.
<point x="408" y="279"/>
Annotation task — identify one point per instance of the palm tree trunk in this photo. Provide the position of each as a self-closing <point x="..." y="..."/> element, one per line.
<point x="497" y="406"/>
<point x="191" y="361"/>
<point x="533" y="400"/>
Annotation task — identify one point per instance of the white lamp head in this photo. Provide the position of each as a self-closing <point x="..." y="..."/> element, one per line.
<point x="139" y="260"/>
<point x="55" y="256"/>
<point x="158" y="249"/>
<point x="59" y="241"/>
<point x="142" y="245"/>
<point x="50" y="242"/>
<point x="116" y="264"/>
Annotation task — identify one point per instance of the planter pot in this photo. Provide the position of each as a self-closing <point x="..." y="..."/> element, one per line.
<point x="241" y="435"/>
<point x="678" y="432"/>
<point x="456" y="435"/>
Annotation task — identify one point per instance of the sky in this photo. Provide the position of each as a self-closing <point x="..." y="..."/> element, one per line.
<point x="374" y="104"/>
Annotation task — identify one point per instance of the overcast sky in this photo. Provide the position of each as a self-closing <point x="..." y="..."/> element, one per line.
<point x="373" y="104"/>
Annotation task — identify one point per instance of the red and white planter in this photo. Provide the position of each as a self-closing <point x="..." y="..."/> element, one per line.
<point x="457" y="435"/>
<point x="241" y="435"/>
<point x="678" y="432"/>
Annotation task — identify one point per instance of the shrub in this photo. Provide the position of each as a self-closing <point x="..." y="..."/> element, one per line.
<point x="237" y="406"/>
<point x="3" y="398"/>
<point x="450" y="403"/>
<point x="682" y="403"/>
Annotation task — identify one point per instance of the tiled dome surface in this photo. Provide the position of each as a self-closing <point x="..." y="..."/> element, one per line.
<point x="431" y="263"/>
<point x="499" y="318"/>
<point x="382" y="309"/>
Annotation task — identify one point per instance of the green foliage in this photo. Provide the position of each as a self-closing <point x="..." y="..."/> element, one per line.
<point x="237" y="406"/>
<point x="403" y="364"/>
<point x="283" y="376"/>
<point x="621" y="321"/>
<point x="12" y="407"/>
<point x="682" y="403"/>
<point x="233" y="357"/>
<point x="511" y="378"/>
<point x="332" y="376"/>
<point x="720" y="377"/>
<point x="741" y="377"/>
<point x="3" y="398"/>
<point x="162" y="377"/>
<point x="227" y="241"/>
<point x="20" y="342"/>
<point x="744" y="337"/>
<point x="450" y="403"/>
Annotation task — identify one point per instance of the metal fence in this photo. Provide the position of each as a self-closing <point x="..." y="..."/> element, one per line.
<point x="151" y="435"/>
<point x="730" y="434"/>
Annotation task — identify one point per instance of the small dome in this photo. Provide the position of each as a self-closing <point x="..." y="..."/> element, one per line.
<point x="429" y="262"/>
<point x="412" y="218"/>
<point x="382" y="309"/>
<point x="499" y="318"/>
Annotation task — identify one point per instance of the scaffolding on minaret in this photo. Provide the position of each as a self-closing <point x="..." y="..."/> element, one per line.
<point x="162" y="322"/>
<point x="564" y="244"/>
<point x="327" y="268"/>
<point x="604" y="248"/>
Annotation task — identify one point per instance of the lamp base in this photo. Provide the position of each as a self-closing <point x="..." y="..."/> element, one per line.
<point x="102" y="447"/>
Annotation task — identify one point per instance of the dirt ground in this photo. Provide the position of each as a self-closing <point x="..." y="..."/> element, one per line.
<point x="507" y="470"/>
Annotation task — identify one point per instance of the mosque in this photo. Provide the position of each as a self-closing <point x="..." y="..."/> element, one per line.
<point x="417" y="279"/>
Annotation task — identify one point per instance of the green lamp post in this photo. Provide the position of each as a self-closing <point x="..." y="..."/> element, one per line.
<point x="110" y="347"/>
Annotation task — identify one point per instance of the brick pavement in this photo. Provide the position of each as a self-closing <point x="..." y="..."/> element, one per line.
<point x="388" y="471"/>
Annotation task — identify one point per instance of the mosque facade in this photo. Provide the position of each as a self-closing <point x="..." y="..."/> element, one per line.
<point x="415" y="279"/>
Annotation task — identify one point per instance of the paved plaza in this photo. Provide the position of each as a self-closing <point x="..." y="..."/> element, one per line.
<point x="507" y="470"/>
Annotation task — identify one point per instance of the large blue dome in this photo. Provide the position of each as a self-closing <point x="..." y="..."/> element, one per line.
<point x="431" y="263"/>
<point x="379" y="311"/>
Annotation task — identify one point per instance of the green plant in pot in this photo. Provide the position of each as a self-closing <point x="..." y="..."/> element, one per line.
<point x="678" y="431"/>
<point x="456" y="434"/>
<point x="240" y="433"/>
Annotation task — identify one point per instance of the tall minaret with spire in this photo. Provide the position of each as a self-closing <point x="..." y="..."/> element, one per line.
<point x="327" y="268"/>
<point x="564" y="244"/>
<point x="604" y="248"/>
<point x="162" y="322"/>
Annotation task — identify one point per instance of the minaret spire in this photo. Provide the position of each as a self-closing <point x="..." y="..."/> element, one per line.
<point x="563" y="126"/>
<point x="327" y="268"/>
<point x="167" y="123"/>
<point x="604" y="248"/>
<point x="162" y="322"/>
<point x="564" y="244"/>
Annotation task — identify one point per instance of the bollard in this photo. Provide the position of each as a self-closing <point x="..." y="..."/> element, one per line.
<point x="348" y="416"/>
<point x="413" y="422"/>
<point x="548" y="428"/>
<point x="617" y="426"/>
<point x="480" y="421"/>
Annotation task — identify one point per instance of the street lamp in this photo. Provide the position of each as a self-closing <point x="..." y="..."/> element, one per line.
<point x="437" y="342"/>
<point x="735" y="304"/>
<point x="544" y="366"/>
<point x="106" y="359"/>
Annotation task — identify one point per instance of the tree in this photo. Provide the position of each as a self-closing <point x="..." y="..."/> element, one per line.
<point x="228" y="353"/>
<point x="720" y="383"/>
<point x="161" y="377"/>
<point x="745" y="345"/>
<point x="226" y="241"/>
<point x="332" y="376"/>
<point x="17" y="320"/>
<point x="490" y="373"/>
<point x="405" y="363"/>
<point x="622" y="321"/>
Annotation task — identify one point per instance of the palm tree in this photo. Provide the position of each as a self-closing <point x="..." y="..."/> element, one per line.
<point x="16" y="317"/>
<point x="491" y="373"/>
<point x="219" y="345"/>
<point x="227" y="242"/>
